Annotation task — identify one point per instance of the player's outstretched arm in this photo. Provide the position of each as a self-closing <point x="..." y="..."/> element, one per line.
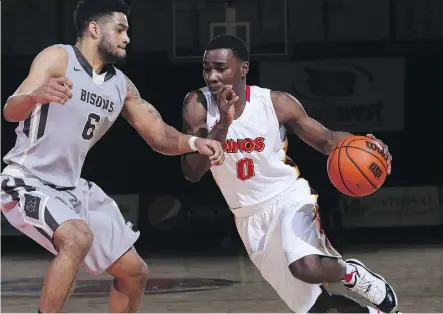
<point x="44" y="83"/>
<point x="162" y="137"/>
<point x="290" y="112"/>
<point x="195" y="166"/>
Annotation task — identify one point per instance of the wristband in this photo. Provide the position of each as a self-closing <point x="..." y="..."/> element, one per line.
<point x="192" y="143"/>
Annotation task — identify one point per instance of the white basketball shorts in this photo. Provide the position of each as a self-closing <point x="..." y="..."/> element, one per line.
<point x="281" y="231"/>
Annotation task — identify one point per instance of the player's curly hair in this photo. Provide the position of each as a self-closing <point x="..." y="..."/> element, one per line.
<point x="96" y="10"/>
<point x="234" y="43"/>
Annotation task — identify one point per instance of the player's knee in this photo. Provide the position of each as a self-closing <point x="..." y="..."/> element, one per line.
<point x="130" y="268"/>
<point x="306" y="268"/>
<point x="140" y="274"/>
<point x="73" y="236"/>
<point x="134" y="280"/>
<point x="143" y="272"/>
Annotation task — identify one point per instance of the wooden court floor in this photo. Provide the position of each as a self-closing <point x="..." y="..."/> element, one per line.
<point x="225" y="284"/>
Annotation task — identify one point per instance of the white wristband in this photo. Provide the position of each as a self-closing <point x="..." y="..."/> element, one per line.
<point x="192" y="143"/>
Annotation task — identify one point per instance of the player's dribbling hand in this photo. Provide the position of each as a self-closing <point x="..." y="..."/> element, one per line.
<point x="56" y="90"/>
<point x="226" y="99"/>
<point x="385" y="150"/>
<point x="211" y="148"/>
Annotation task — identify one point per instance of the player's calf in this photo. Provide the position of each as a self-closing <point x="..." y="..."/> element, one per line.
<point x="317" y="269"/>
<point x="130" y="276"/>
<point x="72" y="240"/>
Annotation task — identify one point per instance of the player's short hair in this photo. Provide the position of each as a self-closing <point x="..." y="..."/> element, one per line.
<point x="96" y="10"/>
<point x="234" y="43"/>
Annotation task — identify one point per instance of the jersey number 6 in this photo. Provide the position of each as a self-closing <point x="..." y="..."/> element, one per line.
<point x="245" y="169"/>
<point x="91" y="123"/>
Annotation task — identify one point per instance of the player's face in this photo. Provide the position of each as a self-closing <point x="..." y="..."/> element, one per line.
<point x="221" y="68"/>
<point x="114" y="38"/>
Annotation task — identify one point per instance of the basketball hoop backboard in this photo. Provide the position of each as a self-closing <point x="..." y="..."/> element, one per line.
<point x="261" y="24"/>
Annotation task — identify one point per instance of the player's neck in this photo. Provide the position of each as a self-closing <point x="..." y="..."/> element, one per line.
<point x="90" y="53"/>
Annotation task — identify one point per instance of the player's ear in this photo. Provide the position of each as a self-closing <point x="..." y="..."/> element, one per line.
<point x="94" y="29"/>
<point x="244" y="69"/>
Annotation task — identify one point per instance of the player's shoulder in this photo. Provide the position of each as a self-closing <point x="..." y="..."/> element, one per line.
<point x="196" y="97"/>
<point x="258" y="90"/>
<point x="55" y="52"/>
<point x="53" y="58"/>
<point x="278" y="98"/>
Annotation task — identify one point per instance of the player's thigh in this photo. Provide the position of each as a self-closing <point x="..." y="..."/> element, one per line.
<point x="35" y="209"/>
<point x="301" y="232"/>
<point x="113" y="236"/>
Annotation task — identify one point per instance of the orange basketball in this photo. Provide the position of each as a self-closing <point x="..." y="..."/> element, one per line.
<point x="356" y="166"/>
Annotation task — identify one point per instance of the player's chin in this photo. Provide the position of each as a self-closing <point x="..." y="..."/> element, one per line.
<point x="120" y="58"/>
<point x="121" y="55"/>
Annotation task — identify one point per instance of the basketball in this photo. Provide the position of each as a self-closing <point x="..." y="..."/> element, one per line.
<point x="356" y="166"/>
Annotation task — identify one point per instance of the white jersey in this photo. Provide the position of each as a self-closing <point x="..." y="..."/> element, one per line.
<point x="255" y="168"/>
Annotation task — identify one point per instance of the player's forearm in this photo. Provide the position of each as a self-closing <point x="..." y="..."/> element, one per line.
<point x="335" y="137"/>
<point x="171" y="142"/>
<point x="194" y="166"/>
<point x="18" y="107"/>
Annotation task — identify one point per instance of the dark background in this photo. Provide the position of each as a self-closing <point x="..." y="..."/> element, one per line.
<point x="164" y="56"/>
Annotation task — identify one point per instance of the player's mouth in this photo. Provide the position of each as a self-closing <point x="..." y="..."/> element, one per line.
<point x="214" y="88"/>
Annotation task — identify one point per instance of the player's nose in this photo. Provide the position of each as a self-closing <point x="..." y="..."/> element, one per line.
<point x="213" y="77"/>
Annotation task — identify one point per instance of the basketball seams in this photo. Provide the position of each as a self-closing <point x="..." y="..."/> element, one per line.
<point x="358" y="168"/>
<point x="341" y="176"/>
<point x="367" y="151"/>
<point x="331" y="156"/>
<point x="338" y="174"/>
<point x="343" y="143"/>
<point x="371" y="153"/>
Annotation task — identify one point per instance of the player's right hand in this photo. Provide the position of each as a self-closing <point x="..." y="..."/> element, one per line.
<point x="226" y="99"/>
<point x="211" y="148"/>
<point x="56" y="90"/>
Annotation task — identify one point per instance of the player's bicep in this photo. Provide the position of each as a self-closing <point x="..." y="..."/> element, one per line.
<point x="290" y="112"/>
<point x="194" y="116"/>
<point x="143" y="116"/>
<point x="311" y="131"/>
<point x="51" y="62"/>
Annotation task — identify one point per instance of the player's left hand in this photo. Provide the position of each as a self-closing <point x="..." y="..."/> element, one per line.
<point x="385" y="151"/>
<point x="211" y="148"/>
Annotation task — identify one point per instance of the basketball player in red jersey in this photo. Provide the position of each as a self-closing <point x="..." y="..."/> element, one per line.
<point x="276" y="212"/>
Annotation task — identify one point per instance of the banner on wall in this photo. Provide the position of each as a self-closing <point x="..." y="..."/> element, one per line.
<point x="393" y="207"/>
<point x="356" y="95"/>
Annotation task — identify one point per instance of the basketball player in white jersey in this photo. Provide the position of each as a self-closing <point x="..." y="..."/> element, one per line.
<point x="276" y="211"/>
<point x="70" y="98"/>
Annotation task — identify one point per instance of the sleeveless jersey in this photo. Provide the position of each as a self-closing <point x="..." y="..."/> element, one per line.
<point x="53" y="141"/>
<point x="255" y="168"/>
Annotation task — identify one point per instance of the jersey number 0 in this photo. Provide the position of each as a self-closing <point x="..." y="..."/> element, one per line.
<point x="245" y="169"/>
